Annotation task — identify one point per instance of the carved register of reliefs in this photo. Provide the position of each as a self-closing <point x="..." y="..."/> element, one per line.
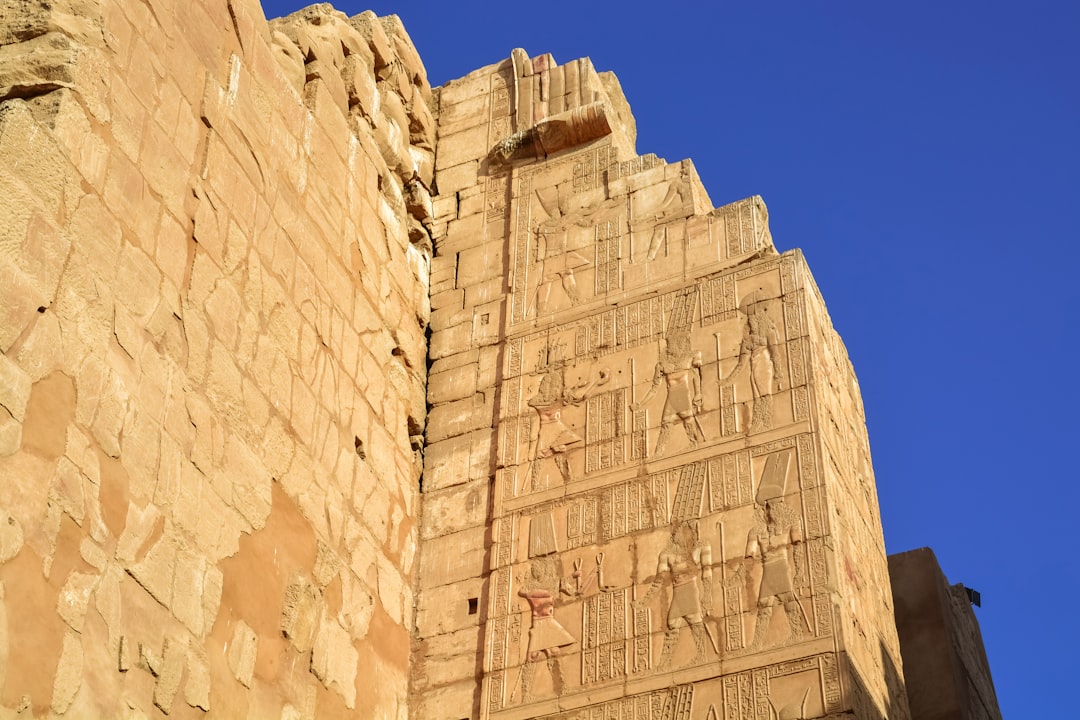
<point x="776" y="528"/>
<point x="679" y="368"/>
<point x="804" y="688"/>
<point x="759" y="351"/>
<point x="687" y="560"/>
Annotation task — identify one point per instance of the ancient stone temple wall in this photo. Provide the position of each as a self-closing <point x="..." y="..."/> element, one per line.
<point x="213" y="302"/>
<point x="647" y="490"/>
<point x="626" y="476"/>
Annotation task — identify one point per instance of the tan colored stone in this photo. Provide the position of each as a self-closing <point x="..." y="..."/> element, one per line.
<point x="242" y="651"/>
<point x="68" y="679"/>
<point x="14" y="388"/>
<point x="334" y="660"/>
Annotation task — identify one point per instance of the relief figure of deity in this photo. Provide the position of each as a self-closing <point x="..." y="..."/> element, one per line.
<point x="775" y="532"/>
<point x="680" y="369"/>
<point x="759" y="350"/>
<point x="687" y="560"/>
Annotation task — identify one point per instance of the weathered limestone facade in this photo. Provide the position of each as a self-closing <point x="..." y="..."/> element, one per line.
<point x="324" y="393"/>
<point x="213" y="303"/>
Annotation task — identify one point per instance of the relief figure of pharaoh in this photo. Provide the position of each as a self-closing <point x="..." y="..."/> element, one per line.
<point x="555" y="438"/>
<point x="547" y="637"/>
<point x="680" y="369"/>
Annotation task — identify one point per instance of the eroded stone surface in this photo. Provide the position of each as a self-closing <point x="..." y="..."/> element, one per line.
<point x="213" y="281"/>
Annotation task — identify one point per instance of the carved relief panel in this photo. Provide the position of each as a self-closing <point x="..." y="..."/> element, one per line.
<point x="658" y="499"/>
<point x="711" y="559"/>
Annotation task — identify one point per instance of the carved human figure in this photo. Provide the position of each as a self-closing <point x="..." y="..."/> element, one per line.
<point x="679" y="368"/>
<point x="685" y="559"/>
<point x="547" y="636"/>
<point x="556" y="265"/>
<point x="556" y="257"/>
<point x="555" y="438"/>
<point x="674" y="204"/>
<point x="758" y="349"/>
<point x="776" y="529"/>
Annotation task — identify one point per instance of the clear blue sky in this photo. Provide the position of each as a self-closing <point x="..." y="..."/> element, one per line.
<point x="925" y="157"/>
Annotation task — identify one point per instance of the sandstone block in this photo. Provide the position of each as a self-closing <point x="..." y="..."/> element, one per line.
<point x="454" y="557"/>
<point x="15" y="387"/>
<point x="243" y="649"/>
<point x="334" y="660"/>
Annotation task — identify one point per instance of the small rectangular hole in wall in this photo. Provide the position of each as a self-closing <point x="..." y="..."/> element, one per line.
<point x="473" y="604"/>
<point x="485" y="318"/>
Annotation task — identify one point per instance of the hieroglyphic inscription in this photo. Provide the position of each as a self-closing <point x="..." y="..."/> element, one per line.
<point x="718" y="300"/>
<point x="589" y="168"/>
<point x="607" y="259"/>
<point x="797" y="361"/>
<point x="762" y="709"/>
<point x="788" y="279"/>
<point x="605" y="430"/>
<point x="748" y="695"/>
<point x="500" y="594"/>
<point x="793" y="320"/>
<point x="814" y="512"/>
<point x="772" y="446"/>
<point x="655" y="705"/>
<point x="729" y="481"/>
<point x="830" y="675"/>
<point x="758" y="269"/>
<point x="522" y="230"/>
<point x="739" y="227"/>
<point x="728" y="423"/>
<point x="619" y="328"/>
<point x="737" y="696"/>
<point x="815" y="550"/>
<point x="495" y="198"/>
<point x="642" y="639"/>
<point x="800" y="398"/>
<point x="632" y="167"/>
<point x="581" y="522"/>
<point x="505" y="543"/>
<point x="496" y="687"/>
<point x="604" y="637"/>
<point x="499" y="642"/>
<point x="500" y="125"/>
<point x="807" y="461"/>
<point x="639" y="437"/>
<point x="640" y="504"/>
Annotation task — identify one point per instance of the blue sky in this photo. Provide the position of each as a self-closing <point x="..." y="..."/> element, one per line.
<point x="925" y="157"/>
